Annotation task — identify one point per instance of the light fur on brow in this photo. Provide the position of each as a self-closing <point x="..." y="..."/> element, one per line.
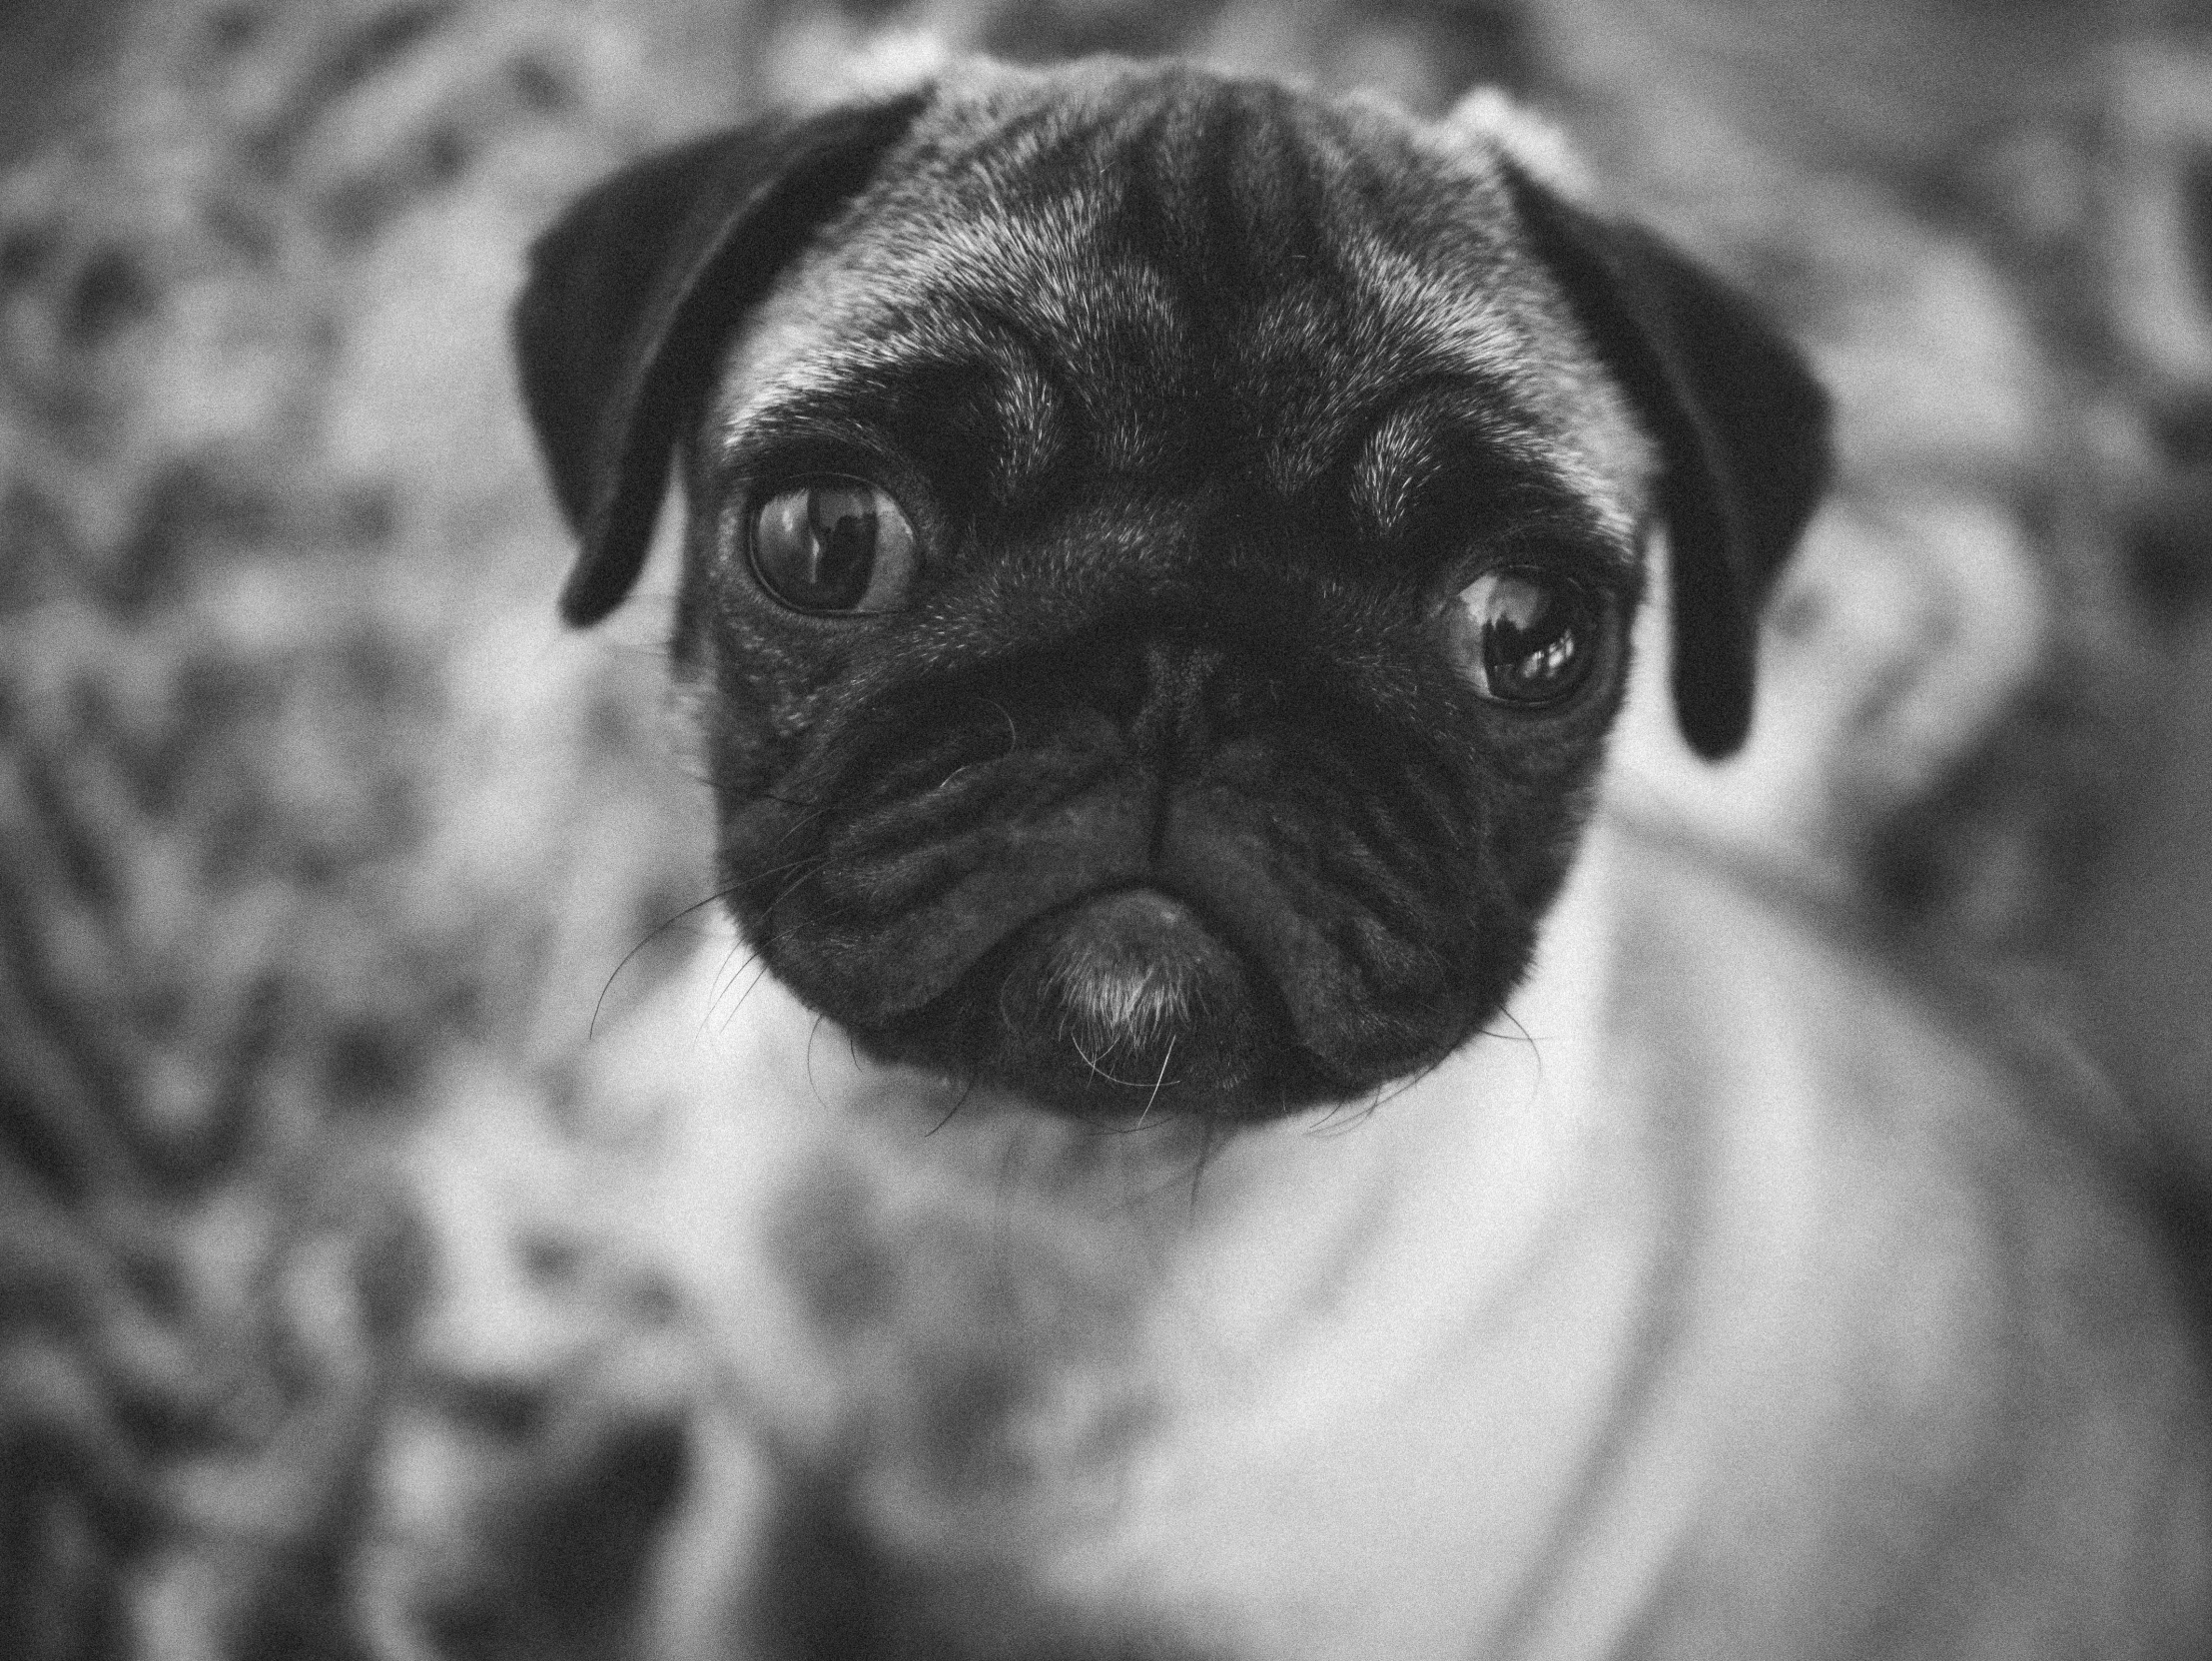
<point x="1535" y="145"/>
<point x="883" y="283"/>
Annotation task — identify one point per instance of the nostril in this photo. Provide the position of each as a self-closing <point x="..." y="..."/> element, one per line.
<point x="1116" y="676"/>
<point x="1155" y="686"/>
<point x="1232" y="701"/>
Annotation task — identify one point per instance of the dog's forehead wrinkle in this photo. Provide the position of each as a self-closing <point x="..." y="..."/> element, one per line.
<point x="1107" y="315"/>
<point x="1215" y="175"/>
<point x="794" y="379"/>
<point x="1108" y="229"/>
<point x="1112" y="320"/>
<point x="1000" y="295"/>
<point x="1400" y="456"/>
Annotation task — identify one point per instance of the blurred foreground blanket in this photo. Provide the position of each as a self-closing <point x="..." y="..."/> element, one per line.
<point x="321" y="848"/>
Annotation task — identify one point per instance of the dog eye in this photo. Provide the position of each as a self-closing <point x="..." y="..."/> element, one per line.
<point x="1529" y="638"/>
<point x="834" y="544"/>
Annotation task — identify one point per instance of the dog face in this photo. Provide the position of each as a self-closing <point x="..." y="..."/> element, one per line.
<point x="1160" y="557"/>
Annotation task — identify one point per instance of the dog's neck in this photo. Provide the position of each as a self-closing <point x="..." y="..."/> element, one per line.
<point x="1288" y="1262"/>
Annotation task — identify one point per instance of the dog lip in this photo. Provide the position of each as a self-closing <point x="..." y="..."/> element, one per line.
<point x="1122" y="981"/>
<point x="1126" y="928"/>
<point x="1155" y="904"/>
<point x="1146" y="895"/>
<point x="1128" y="971"/>
<point x="1137" y="898"/>
<point x="1109" y="954"/>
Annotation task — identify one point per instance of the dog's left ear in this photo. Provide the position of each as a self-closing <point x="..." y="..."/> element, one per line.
<point x="1743" y="430"/>
<point x="632" y="294"/>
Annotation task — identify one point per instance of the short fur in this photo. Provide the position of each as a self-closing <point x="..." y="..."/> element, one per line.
<point x="1206" y="398"/>
<point x="1673" y="1318"/>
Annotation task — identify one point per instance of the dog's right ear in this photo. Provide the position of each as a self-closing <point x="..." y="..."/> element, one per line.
<point x="1742" y="427"/>
<point x="632" y="294"/>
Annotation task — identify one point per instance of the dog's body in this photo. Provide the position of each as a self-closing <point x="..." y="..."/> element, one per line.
<point x="1161" y="562"/>
<point x="1697" y="1321"/>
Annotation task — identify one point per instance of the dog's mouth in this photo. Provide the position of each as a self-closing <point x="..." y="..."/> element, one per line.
<point x="1240" y="956"/>
<point x="1114" y="984"/>
<point x="1121" y="1004"/>
<point x="1230" y="935"/>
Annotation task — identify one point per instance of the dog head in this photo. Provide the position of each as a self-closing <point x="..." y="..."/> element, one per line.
<point x="1160" y="556"/>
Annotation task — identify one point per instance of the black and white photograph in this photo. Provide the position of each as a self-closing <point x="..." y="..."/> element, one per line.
<point x="1105" y="830"/>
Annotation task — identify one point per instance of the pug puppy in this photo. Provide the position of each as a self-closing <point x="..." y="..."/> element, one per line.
<point x="1225" y="1129"/>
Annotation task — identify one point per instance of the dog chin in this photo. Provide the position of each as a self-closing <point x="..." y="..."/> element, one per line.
<point x="1122" y="1008"/>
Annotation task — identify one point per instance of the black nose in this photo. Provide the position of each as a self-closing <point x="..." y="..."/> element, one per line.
<point x="1155" y="684"/>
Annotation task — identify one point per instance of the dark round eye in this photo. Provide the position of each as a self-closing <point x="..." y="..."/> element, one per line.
<point x="1527" y="637"/>
<point x="834" y="544"/>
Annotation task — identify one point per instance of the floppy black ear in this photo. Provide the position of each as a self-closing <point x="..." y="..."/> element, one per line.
<point x="1743" y="429"/>
<point x="632" y="293"/>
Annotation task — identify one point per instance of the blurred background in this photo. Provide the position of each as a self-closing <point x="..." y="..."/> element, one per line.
<point x="321" y="848"/>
